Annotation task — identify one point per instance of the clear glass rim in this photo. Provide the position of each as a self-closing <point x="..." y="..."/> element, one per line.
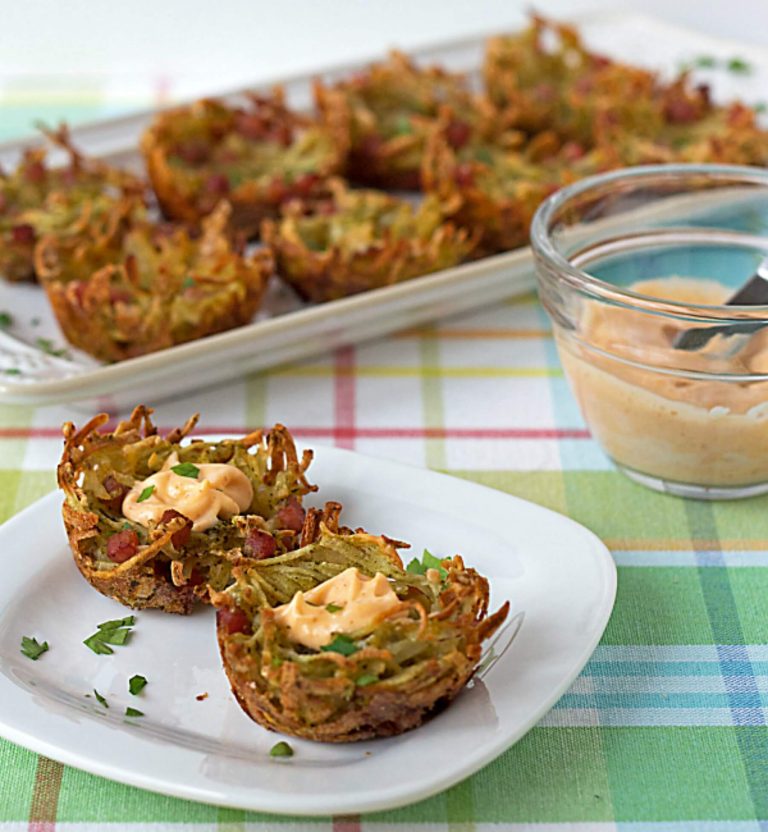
<point x="545" y="249"/>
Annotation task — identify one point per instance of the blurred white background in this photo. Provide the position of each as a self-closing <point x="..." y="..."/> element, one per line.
<point x="99" y="58"/>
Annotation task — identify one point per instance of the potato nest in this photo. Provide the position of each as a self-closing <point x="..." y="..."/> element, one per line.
<point x="388" y="112"/>
<point x="125" y="287"/>
<point x="168" y="565"/>
<point x="388" y="678"/>
<point x="37" y="200"/>
<point x="360" y="240"/>
<point x="546" y="79"/>
<point x="257" y="156"/>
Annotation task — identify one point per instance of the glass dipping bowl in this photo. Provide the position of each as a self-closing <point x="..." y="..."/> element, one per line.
<point x="691" y="422"/>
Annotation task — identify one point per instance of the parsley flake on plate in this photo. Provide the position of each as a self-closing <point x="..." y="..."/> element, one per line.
<point x="136" y="684"/>
<point x="100" y="699"/>
<point x="129" y="711"/>
<point x="32" y="649"/>
<point x="6" y="319"/>
<point x="341" y="644"/>
<point x="186" y="469"/>
<point x="281" y="749"/>
<point x="115" y="632"/>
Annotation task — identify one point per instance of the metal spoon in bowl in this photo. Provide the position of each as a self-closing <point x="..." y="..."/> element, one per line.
<point x="753" y="293"/>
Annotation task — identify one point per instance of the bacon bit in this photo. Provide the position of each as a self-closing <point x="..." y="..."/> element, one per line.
<point x="180" y="538"/>
<point x="116" y="491"/>
<point x="282" y="134"/>
<point x="571" y="151"/>
<point x="196" y="577"/>
<point x="217" y="183"/>
<point x="35" y="172"/>
<point x="457" y="134"/>
<point x="233" y="621"/>
<point x="680" y="111"/>
<point x="23" y="235"/>
<point x="251" y="126"/>
<point x="305" y="184"/>
<point x="77" y="289"/>
<point x="276" y="191"/>
<point x="259" y="545"/>
<point x="119" y="296"/>
<point x="371" y="145"/>
<point x="201" y="697"/>
<point x="291" y="516"/>
<point x="193" y="151"/>
<point x="122" y="546"/>
<point x="464" y="175"/>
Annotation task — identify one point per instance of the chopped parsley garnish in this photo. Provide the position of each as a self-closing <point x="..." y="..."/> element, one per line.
<point x="32" y="648"/>
<point x="129" y="711"/>
<point x="188" y="283"/>
<point x="428" y="561"/>
<point x="484" y="155"/>
<point x="366" y="679"/>
<point x="281" y="749"/>
<point x="46" y="345"/>
<point x="12" y="371"/>
<point x="6" y="319"/>
<point x="186" y="469"/>
<point x="145" y="494"/>
<point x="705" y="62"/>
<point x="333" y="608"/>
<point x="739" y="66"/>
<point x="35" y="321"/>
<point x="116" y="632"/>
<point x="341" y="644"/>
<point x="100" y="699"/>
<point x="403" y="126"/>
<point x="760" y="107"/>
<point x="136" y="684"/>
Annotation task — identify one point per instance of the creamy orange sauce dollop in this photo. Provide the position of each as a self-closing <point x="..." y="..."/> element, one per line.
<point x="219" y="490"/>
<point x="362" y="601"/>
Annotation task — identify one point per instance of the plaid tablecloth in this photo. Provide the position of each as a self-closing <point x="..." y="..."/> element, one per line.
<point x="666" y="728"/>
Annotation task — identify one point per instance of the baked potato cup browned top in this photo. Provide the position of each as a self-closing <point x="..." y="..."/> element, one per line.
<point x="38" y="200"/>
<point x="362" y="239"/>
<point x="379" y="681"/>
<point x="387" y="111"/>
<point x="257" y="156"/>
<point x="167" y="564"/>
<point x="124" y="287"/>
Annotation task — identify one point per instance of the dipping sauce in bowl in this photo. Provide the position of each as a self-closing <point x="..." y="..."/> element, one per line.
<point x="626" y="263"/>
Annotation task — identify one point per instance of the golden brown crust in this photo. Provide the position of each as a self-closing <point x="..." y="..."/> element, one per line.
<point x="161" y="574"/>
<point x="122" y="287"/>
<point x="375" y="691"/>
<point x="362" y="240"/>
<point x="187" y="161"/>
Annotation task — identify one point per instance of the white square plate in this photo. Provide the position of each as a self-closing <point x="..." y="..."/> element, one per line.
<point x="560" y="579"/>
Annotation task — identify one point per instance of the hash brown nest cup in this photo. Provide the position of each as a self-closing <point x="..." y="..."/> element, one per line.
<point x="361" y="240"/>
<point x="122" y="288"/>
<point x="387" y="112"/>
<point x="167" y="565"/>
<point x="38" y="200"/>
<point x="257" y="156"/>
<point x="390" y="680"/>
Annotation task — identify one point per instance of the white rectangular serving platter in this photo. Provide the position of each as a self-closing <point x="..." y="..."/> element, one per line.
<point x="286" y="329"/>
<point x="559" y="578"/>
